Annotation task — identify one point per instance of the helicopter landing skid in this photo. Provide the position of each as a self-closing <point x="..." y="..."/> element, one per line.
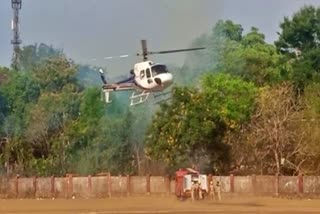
<point x="107" y="96"/>
<point x="137" y="98"/>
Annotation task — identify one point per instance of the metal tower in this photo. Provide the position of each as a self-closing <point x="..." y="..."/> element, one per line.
<point x="16" y="41"/>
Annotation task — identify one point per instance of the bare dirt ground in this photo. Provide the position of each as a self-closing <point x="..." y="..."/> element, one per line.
<point x="152" y="204"/>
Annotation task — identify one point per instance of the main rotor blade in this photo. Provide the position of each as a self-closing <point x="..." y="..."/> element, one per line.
<point x="114" y="57"/>
<point x="174" y="51"/>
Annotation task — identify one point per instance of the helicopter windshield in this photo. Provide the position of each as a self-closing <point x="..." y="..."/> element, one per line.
<point x="158" y="69"/>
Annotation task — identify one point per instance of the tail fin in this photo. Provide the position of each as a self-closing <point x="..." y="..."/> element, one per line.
<point x="102" y="76"/>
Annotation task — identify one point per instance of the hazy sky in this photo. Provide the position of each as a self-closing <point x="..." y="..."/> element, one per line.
<point x="97" y="28"/>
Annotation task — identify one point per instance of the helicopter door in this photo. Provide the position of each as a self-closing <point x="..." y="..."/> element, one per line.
<point x="148" y="74"/>
<point x="143" y="78"/>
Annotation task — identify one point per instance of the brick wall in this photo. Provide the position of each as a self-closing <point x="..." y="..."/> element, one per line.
<point x="108" y="186"/>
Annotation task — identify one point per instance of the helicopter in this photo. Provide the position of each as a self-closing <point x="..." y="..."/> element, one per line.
<point x="145" y="78"/>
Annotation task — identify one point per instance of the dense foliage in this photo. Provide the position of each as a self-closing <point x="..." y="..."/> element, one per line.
<point x="241" y="106"/>
<point x="53" y="122"/>
<point x="256" y="109"/>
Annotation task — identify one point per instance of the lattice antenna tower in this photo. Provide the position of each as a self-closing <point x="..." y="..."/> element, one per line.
<point x="16" y="41"/>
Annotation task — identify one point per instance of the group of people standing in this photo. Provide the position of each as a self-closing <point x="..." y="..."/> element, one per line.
<point x="196" y="191"/>
<point x="214" y="191"/>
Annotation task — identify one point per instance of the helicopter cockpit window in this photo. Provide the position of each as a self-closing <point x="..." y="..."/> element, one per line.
<point x="142" y="74"/>
<point x="148" y="73"/>
<point x="159" y="69"/>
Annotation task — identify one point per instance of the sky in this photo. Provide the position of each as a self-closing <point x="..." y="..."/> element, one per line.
<point x="98" y="28"/>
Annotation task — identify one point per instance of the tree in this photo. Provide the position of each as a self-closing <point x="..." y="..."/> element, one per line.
<point x="299" y="41"/>
<point x="39" y="105"/>
<point x="56" y="125"/>
<point x="58" y="102"/>
<point x="190" y="130"/>
<point x="271" y="132"/>
<point x="4" y="108"/>
<point x="55" y="73"/>
<point x="228" y="50"/>
<point x="229" y="97"/>
<point x="31" y="55"/>
<point x="252" y="59"/>
<point x="301" y="32"/>
<point x="167" y="139"/>
<point x="228" y="29"/>
<point x="18" y="92"/>
<point x="309" y="128"/>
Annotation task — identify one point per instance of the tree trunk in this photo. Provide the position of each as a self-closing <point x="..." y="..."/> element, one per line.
<point x="138" y="159"/>
<point x="276" y="157"/>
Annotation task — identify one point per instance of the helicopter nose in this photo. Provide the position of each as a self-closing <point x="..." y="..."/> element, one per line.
<point x="168" y="79"/>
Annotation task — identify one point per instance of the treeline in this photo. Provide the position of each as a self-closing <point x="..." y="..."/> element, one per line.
<point x="256" y="109"/>
<point x="52" y="122"/>
<point x="242" y="106"/>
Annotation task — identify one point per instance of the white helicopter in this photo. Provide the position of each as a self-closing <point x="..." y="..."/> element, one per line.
<point x="146" y="77"/>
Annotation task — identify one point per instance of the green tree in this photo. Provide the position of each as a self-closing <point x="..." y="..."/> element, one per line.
<point x="299" y="41"/>
<point x="228" y="50"/>
<point x="301" y="32"/>
<point x="55" y="73"/>
<point x="190" y="130"/>
<point x="252" y="59"/>
<point x="18" y="92"/>
<point x="229" y="97"/>
<point x="228" y="29"/>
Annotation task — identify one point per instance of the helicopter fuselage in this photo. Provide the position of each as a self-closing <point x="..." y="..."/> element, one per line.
<point x="151" y="76"/>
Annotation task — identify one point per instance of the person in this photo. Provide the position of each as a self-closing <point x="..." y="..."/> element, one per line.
<point x="193" y="190"/>
<point x="218" y="190"/>
<point x="200" y="191"/>
<point x="212" y="194"/>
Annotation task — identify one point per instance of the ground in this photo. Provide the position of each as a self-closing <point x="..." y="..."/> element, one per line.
<point x="160" y="204"/>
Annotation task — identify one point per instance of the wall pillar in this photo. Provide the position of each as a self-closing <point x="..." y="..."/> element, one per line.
<point x="232" y="183"/>
<point x="300" y="183"/>
<point x="35" y="187"/>
<point x="89" y="185"/>
<point x="254" y="184"/>
<point x="277" y="184"/>
<point x="69" y="186"/>
<point x="109" y="184"/>
<point x="53" y="194"/>
<point x="148" y="184"/>
<point x="16" y="185"/>
<point x="128" y="185"/>
<point x="167" y="183"/>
